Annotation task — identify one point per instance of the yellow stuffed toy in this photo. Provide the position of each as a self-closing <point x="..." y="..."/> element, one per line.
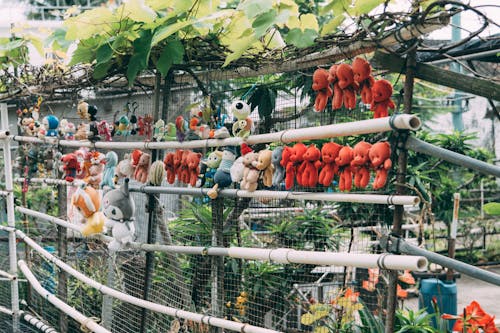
<point x="88" y="202"/>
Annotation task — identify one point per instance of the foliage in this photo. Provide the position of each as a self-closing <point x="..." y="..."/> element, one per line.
<point x="409" y="321"/>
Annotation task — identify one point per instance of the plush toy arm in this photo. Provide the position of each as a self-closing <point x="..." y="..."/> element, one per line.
<point x="387" y="164"/>
<point x="391" y="104"/>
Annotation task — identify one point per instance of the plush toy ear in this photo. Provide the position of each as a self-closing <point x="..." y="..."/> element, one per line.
<point x="124" y="187"/>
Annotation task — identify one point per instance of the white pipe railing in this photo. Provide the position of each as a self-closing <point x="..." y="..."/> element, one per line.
<point x="34" y="321"/>
<point x="11" y="219"/>
<point x="4" y="193"/>
<point x="47" y="181"/>
<point x="4" y="134"/>
<point x="67" y="309"/>
<point x="196" y="317"/>
<point x="282" y="255"/>
<point x="395" y="122"/>
<point x="7" y="275"/>
<point x="6" y="311"/>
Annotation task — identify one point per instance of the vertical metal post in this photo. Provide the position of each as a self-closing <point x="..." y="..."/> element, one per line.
<point x="453" y="233"/>
<point x="62" y="248"/>
<point x="107" y="301"/>
<point x="217" y="271"/>
<point x="397" y="221"/>
<point x="481" y="189"/>
<point x="11" y="220"/>
<point x="456" y="114"/>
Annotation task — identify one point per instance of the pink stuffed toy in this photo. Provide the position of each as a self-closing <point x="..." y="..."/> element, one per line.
<point x="343" y="161"/>
<point x="382" y="92"/>
<point x="360" y="164"/>
<point x="193" y="163"/>
<point x="310" y="166"/>
<point x="322" y="87"/>
<point x="142" y="168"/>
<point x="293" y="167"/>
<point x="329" y="152"/>
<point x="96" y="169"/>
<point x="250" y="178"/>
<point x="380" y="157"/>
<point x="349" y="87"/>
<point x="363" y="76"/>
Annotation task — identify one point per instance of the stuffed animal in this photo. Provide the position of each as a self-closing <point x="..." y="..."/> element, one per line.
<point x="82" y="110"/>
<point x="148" y="126"/>
<point x="108" y="176"/>
<point x="337" y="92"/>
<point x="222" y="177"/>
<point x="250" y="178"/>
<point x="28" y="126"/>
<point x="347" y="84"/>
<point x="285" y="159"/>
<point x="70" y="166"/>
<point x="265" y="166"/>
<point x="82" y="132"/>
<point x="322" y="88"/>
<point x="329" y="152"/>
<point x="125" y="169"/>
<point x="360" y="164"/>
<point x="293" y="168"/>
<point x="181" y="126"/>
<point x="168" y="163"/>
<point x="85" y="166"/>
<point x="183" y="171"/>
<point x="123" y="126"/>
<point x="178" y="162"/>
<point x="51" y="123"/>
<point x="159" y="130"/>
<point x="279" y="171"/>
<point x="142" y="168"/>
<point x="88" y="203"/>
<point x="193" y="164"/>
<point x="68" y="130"/>
<point x="119" y="208"/>
<point x="104" y="130"/>
<point x="310" y="166"/>
<point x="380" y="158"/>
<point x="381" y="92"/>
<point x="92" y="110"/>
<point x="242" y="127"/>
<point x="363" y="76"/>
<point x="343" y="162"/>
<point x="96" y="169"/>
<point x="238" y="168"/>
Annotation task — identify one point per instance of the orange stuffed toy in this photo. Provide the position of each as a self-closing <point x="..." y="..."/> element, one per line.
<point x="380" y="157"/>
<point x="360" y="164"/>
<point x="329" y="152"/>
<point x="382" y="92"/>
<point x="285" y="159"/>
<point x="363" y="76"/>
<point x="183" y="171"/>
<point x="294" y="161"/>
<point x="322" y="87"/>
<point x="310" y="167"/>
<point x="343" y="162"/>
<point x="193" y="163"/>
<point x="337" y="92"/>
<point x="142" y="169"/>
<point x="347" y="84"/>
<point x="168" y="162"/>
<point x="88" y="203"/>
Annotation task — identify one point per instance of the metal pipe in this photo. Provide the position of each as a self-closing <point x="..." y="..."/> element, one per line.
<point x="426" y="148"/>
<point x="72" y="312"/>
<point x="477" y="55"/>
<point x="38" y="323"/>
<point x="4" y="134"/>
<point x="11" y="219"/>
<point x="399" y="245"/>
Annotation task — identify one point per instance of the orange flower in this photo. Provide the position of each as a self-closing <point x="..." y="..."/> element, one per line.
<point x="368" y="285"/>
<point x="407" y="278"/>
<point x="351" y="295"/>
<point x="401" y="293"/>
<point x="373" y="274"/>
<point x="475" y="318"/>
<point x="490" y="327"/>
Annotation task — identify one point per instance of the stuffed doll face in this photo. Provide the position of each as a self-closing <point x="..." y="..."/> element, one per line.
<point x="213" y="160"/>
<point x="381" y="90"/>
<point x="379" y="153"/>
<point x="360" y="152"/>
<point x="312" y="154"/>
<point x="249" y="158"/>
<point x="345" y="156"/>
<point x="240" y="109"/>
<point x="332" y="74"/>
<point x="320" y="79"/>
<point x="361" y="69"/>
<point x="345" y="76"/>
<point x="330" y="151"/>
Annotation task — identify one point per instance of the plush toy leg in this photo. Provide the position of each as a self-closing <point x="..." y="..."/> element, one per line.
<point x="366" y="94"/>
<point x="213" y="192"/>
<point x="289" y="176"/>
<point x="380" y="179"/>
<point x="337" y="97"/>
<point x="361" y="178"/>
<point x="349" y="99"/>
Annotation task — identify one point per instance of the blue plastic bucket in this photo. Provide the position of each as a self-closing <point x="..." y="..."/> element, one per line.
<point x="446" y="297"/>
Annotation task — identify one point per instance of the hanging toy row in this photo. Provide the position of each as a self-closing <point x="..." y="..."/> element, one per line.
<point x="343" y="82"/>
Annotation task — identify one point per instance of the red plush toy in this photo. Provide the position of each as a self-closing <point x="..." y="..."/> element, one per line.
<point x="360" y="164"/>
<point x="193" y="163"/>
<point x="380" y="157"/>
<point x="329" y="152"/>
<point x="177" y="162"/>
<point x="343" y="162"/>
<point x="347" y="84"/>
<point x="322" y="87"/>
<point x="70" y="166"/>
<point x="310" y="167"/>
<point x="285" y="159"/>
<point x="168" y="161"/>
<point x="337" y="92"/>
<point x="293" y="170"/>
<point x="142" y="169"/>
<point x="363" y="76"/>
<point x="183" y="171"/>
<point x="382" y="92"/>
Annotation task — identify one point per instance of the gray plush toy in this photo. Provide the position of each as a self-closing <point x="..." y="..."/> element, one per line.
<point x="119" y="207"/>
<point x="279" y="171"/>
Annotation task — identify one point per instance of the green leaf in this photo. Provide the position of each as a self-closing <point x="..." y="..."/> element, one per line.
<point x="301" y="39"/>
<point x="82" y="55"/>
<point x="104" y="53"/>
<point x="239" y="46"/>
<point x="101" y="69"/>
<point x="166" y="31"/>
<point x="253" y="8"/>
<point x="364" y="7"/>
<point x="140" y="58"/>
<point x="331" y="26"/>
<point x="173" y="53"/>
<point x="89" y="23"/>
<point x="138" y="11"/>
<point x="263" y="22"/>
<point x="58" y="40"/>
<point x="492" y="208"/>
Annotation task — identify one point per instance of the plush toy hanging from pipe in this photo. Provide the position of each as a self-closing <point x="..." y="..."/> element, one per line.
<point x="88" y="203"/>
<point x="119" y="209"/>
<point x="222" y="177"/>
<point x="109" y="170"/>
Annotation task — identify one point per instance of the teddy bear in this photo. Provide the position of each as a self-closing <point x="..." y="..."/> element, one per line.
<point x="380" y="158"/>
<point x="125" y="169"/>
<point x="343" y="162"/>
<point x="108" y="175"/>
<point x="96" y="169"/>
<point x="119" y="209"/>
<point x="183" y="171"/>
<point x="168" y="163"/>
<point x="250" y="172"/>
<point x="363" y="76"/>
<point x="381" y="92"/>
<point x="177" y="160"/>
<point x="222" y="177"/>
<point x="68" y="130"/>
<point x="193" y="164"/>
<point x="82" y="132"/>
<point x="294" y="167"/>
<point x="70" y="166"/>
<point x="329" y="152"/>
<point x="322" y="87"/>
<point x="265" y="166"/>
<point x="238" y="168"/>
<point x="360" y="164"/>
<point x="279" y="171"/>
<point x="309" y="168"/>
<point x="142" y="168"/>
<point x="337" y="92"/>
<point x="148" y="126"/>
<point x="347" y="84"/>
<point x="242" y="127"/>
<point x="82" y="110"/>
<point x="88" y="203"/>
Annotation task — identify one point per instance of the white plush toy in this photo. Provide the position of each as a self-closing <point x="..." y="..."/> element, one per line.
<point x="119" y="208"/>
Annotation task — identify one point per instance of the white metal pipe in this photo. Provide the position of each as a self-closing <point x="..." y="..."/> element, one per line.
<point x="4" y="193"/>
<point x="7" y="275"/>
<point x="48" y="218"/>
<point x="200" y="318"/>
<point x="4" y="134"/>
<point x="48" y="181"/>
<point x="34" y="321"/>
<point x="6" y="311"/>
<point x="400" y="121"/>
<point x="11" y="219"/>
<point x="69" y="310"/>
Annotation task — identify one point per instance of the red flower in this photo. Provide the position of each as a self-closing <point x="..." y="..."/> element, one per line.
<point x="474" y="318"/>
<point x="401" y="293"/>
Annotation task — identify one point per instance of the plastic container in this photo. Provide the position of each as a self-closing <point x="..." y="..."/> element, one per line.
<point x="446" y="296"/>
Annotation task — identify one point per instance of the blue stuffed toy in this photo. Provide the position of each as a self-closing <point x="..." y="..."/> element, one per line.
<point x="109" y="170"/>
<point x="222" y="177"/>
<point x="51" y="123"/>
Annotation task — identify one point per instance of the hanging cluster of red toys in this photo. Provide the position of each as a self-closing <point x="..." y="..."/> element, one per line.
<point x="183" y="164"/>
<point x="308" y="165"/>
<point x="343" y="82"/>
